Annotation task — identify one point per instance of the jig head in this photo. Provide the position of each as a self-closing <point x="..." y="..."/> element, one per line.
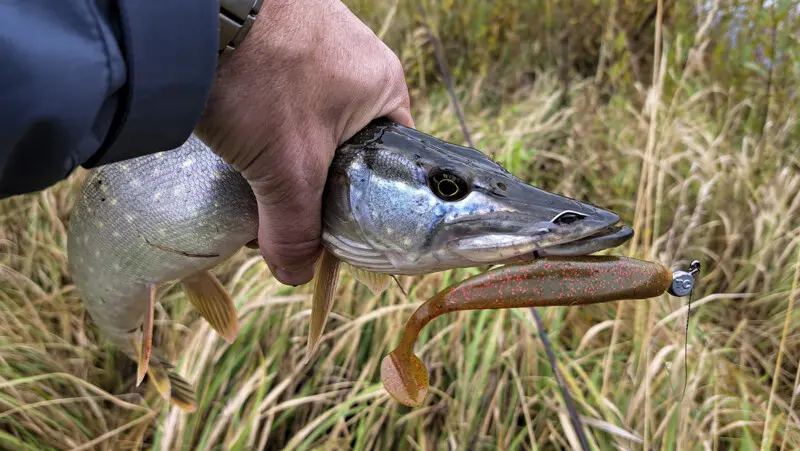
<point x="683" y="281"/>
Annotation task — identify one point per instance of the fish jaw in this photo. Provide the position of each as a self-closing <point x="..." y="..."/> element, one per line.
<point x="530" y="221"/>
<point x="402" y="202"/>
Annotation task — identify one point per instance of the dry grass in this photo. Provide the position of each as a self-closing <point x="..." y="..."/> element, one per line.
<point x="685" y="159"/>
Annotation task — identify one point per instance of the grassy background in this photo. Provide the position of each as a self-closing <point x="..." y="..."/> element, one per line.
<point x="682" y="119"/>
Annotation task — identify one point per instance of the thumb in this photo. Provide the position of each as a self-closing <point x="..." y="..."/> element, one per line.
<point x="290" y="216"/>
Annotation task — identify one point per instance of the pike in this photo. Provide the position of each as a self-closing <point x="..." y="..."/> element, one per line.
<point x="397" y="202"/>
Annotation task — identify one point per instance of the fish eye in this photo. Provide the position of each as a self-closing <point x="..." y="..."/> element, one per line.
<point x="447" y="185"/>
<point x="567" y="217"/>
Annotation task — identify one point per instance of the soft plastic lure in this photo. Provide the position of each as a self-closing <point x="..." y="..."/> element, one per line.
<point x="553" y="281"/>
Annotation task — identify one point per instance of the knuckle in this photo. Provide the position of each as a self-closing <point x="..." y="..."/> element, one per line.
<point x="292" y="181"/>
<point x="395" y="74"/>
<point x="395" y="81"/>
<point x="292" y="254"/>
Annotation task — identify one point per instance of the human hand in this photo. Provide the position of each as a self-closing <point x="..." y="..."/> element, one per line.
<point x="308" y="76"/>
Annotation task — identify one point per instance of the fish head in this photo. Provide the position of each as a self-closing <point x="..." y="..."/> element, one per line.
<point x="400" y="201"/>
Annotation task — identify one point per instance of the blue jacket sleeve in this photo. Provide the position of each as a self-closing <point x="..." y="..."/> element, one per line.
<point x="88" y="82"/>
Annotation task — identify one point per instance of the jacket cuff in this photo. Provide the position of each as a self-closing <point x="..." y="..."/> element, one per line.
<point x="171" y="52"/>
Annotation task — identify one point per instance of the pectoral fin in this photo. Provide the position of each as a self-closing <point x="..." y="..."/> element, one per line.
<point x="327" y="275"/>
<point x="146" y="345"/>
<point x="213" y="303"/>
<point x="376" y="282"/>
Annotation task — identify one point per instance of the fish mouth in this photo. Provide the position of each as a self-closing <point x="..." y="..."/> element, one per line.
<point x="516" y="238"/>
<point x="606" y="238"/>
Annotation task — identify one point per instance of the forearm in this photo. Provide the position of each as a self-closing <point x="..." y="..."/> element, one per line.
<point x="95" y="81"/>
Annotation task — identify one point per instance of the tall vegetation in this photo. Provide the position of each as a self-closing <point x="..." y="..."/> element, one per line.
<point x="680" y="116"/>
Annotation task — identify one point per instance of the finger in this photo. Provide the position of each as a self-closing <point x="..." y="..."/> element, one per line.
<point x="402" y="116"/>
<point x="387" y="98"/>
<point x="394" y="105"/>
<point x="397" y="105"/>
<point x="290" y="217"/>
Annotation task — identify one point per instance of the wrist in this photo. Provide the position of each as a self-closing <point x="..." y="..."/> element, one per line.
<point x="274" y="46"/>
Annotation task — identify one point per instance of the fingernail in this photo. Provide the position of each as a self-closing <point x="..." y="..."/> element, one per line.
<point x="294" y="278"/>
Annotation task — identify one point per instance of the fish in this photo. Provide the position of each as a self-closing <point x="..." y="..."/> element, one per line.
<point x="397" y="201"/>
